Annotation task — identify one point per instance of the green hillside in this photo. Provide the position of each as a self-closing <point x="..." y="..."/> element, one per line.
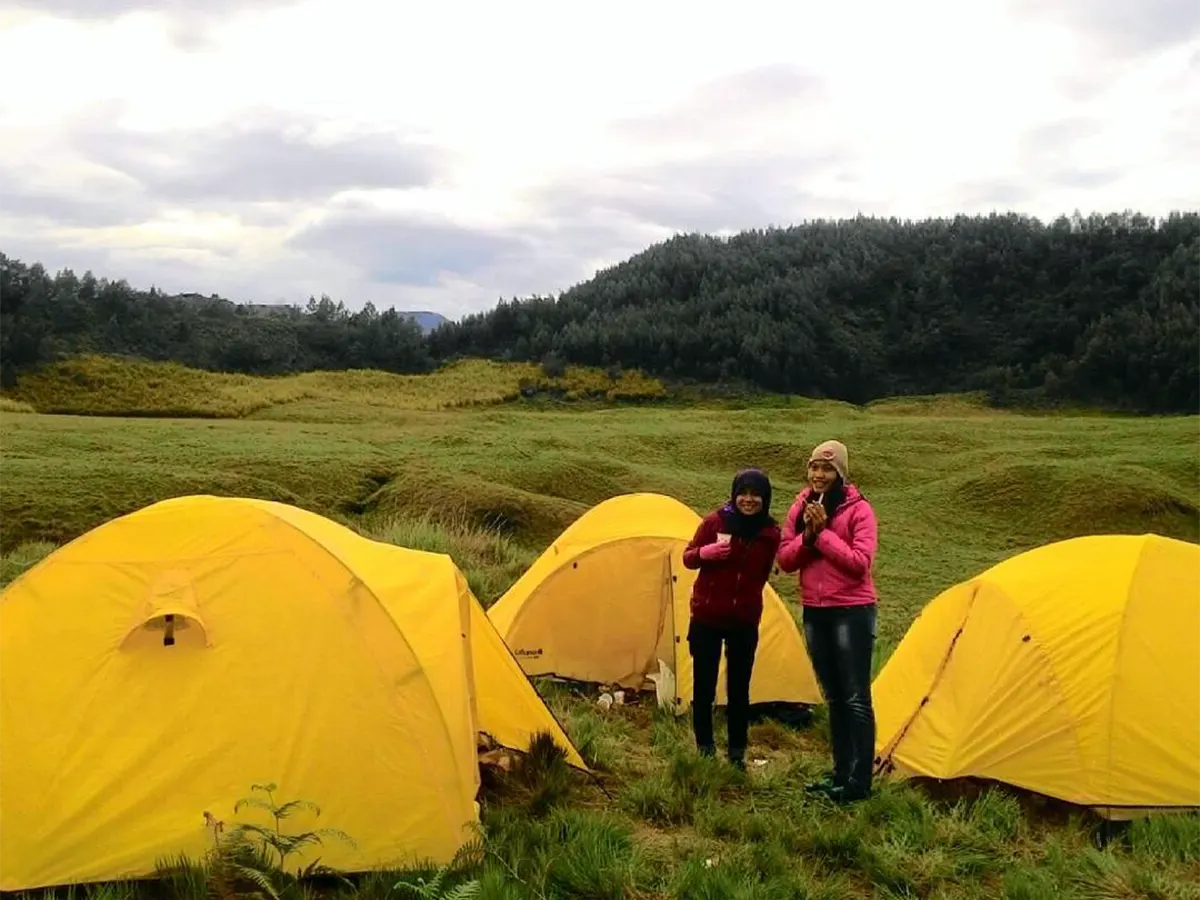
<point x="1102" y="310"/>
<point x="1099" y="311"/>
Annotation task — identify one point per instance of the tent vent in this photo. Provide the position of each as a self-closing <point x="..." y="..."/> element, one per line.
<point x="178" y="629"/>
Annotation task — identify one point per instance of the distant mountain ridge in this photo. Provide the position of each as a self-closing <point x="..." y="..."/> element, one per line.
<point x="425" y="319"/>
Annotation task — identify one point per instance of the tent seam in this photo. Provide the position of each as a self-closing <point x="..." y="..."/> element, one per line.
<point x="890" y="755"/>
<point x="1112" y="694"/>
<point x="595" y="548"/>
<point x="1057" y="679"/>
<point x="357" y="579"/>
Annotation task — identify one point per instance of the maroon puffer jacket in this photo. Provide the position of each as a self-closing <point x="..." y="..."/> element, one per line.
<point x="730" y="591"/>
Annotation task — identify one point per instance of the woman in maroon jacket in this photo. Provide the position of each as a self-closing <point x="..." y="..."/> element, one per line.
<point x="734" y="549"/>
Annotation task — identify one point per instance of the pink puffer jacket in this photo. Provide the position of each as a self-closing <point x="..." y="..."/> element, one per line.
<point x="835" y="570"/>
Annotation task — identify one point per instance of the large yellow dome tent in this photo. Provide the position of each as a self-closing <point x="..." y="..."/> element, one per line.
<point x="608" y="600"/>
<point x="159" y="665"/>
<point x="1071" y="670"/>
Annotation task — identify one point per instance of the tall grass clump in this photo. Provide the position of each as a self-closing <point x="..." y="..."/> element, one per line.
<point x="1167" y="839"/>
<point x="489" y="559"/>
<point x="110" y="386"/>
<point x="456" y="498"/>
<point x="22" y="558"/>
<point x="9" y="405"/>
<point x="570" y="853"/>
<point x="536" y="781"/>
<point x="670" y="794"/>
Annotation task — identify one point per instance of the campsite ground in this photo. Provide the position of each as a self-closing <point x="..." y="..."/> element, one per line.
<point x="957" y="487"/>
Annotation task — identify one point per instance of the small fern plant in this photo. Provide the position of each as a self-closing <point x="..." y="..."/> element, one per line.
<point x="467" y="856"/>
<point x="230" y="864"/>
<point x="273" y="841"/>
<point x="433" y="889"/>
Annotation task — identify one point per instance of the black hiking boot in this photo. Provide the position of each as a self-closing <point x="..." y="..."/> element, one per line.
<point x="824" y="786"/>
<point x="848" y="793"/>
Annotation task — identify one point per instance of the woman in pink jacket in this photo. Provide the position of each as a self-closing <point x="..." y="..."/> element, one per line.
<point x="829" y="537"/>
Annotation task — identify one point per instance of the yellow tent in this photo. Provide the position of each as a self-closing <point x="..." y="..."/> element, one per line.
<point x="608" y="600"/>
<point x="1072" y="670"/>
<point x="161" y="664"/>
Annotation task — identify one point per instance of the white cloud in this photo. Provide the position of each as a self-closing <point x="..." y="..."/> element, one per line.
<point x="446" y="155"/>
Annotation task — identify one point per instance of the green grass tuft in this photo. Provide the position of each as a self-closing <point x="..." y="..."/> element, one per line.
<point x="491" y="560"/>
<point x="22" y="559"/>
<point x="9" y="405"/>
<point x="428" y="492"/>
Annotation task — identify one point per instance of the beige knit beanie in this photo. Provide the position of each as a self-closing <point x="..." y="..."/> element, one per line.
<point x="834" y="453"/>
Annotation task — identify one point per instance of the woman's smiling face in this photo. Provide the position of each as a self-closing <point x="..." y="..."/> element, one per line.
<point x="821" y="475"/>
<point x="749" y="502"/>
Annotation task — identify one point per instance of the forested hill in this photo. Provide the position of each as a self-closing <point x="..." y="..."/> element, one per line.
<point x="1099" y="310"/>
<point x="45" y="317"/>
<point x="1102" y="310"/>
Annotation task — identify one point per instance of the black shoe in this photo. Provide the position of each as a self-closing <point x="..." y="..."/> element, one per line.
<point x="848" y="793"/>
<point x="707" y="749"/>
<point x="824" y="786"/>
<point x="737" y="759"/>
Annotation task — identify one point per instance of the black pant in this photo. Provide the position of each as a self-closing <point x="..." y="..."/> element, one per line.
<point x="840" y="643"/>
<point x="704" y="643"/>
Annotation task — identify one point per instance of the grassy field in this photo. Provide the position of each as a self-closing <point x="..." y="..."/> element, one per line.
<point x="490" y="479"/>
<point x="108" y="386"/>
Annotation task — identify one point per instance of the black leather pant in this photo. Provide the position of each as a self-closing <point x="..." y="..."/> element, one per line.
<point x="840" y="643"/>
<point x="704" y="642"/>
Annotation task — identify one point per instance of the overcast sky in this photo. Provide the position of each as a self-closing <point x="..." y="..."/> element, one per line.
<point x="430" y="158"/>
